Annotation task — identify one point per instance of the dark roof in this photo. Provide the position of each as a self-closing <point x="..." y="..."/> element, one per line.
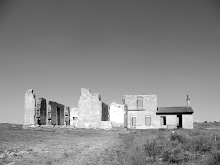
<point x="174" y="110"/>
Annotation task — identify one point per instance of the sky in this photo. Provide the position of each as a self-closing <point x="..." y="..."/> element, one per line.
<point x="168" y="48"/>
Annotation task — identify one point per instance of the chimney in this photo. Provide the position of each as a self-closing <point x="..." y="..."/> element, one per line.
<point x="187" y="101"/>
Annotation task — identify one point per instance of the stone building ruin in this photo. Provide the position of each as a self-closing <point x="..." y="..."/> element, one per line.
<point x="91" y="110"/>
<point x="117" y="114"/>
<point x="30" y="108"/>
<point x="43" y="113"/>
<point x="136" y="112"/>
<point x="74" y="117"/>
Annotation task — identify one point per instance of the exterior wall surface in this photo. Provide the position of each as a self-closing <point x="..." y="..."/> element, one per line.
<point x="148" y="110"/>
<point x="62" y="117"/>
<point x="74" y="117"/>
<point x="105" y="112"/>
<point x="117" y="115"/>
<point x="106" y="125"/>
<point x="89" y="110"/>
<point x="171" y="121"/>
<point x="140" y="119"/>
<point x="54" y="114"/>
<point x="29" y="107"/>
<point x="48" y="114"/>
<point x="67" y="115"/>
<point x="187" y="121"/>
<point x="53" y="106"/>
<point x="42" y="108"/>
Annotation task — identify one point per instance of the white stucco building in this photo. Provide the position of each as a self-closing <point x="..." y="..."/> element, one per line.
<point x="117" y="114"/>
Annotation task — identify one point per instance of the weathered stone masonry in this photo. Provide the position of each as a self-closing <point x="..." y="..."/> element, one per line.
<point x="91" y="110"/>
<point x="67" y="115"/>
<point x="117" y="115"/>
<point x="57" y="113"/>
<point x="29" y="106"/>
<point x="41" y="112"/>
<point x="137" y="112"/>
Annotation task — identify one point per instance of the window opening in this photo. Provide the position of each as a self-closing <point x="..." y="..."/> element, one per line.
<point x="133" y="121"/>
<point x="148" y="120"/>
<point x="163" y="120"/>
<point x="140" y="103"/>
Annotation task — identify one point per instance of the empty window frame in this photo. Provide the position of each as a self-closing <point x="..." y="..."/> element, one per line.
<point x="133" y="121"/>
<point x="148" y="120"/>
<point x="75" y="118"/>
<point x="178" y="120"/>
<point x="66" y="114"/>
<point x="140" y="103"/>
<point x="49" y="115"/>
<point x="163" y="120"/>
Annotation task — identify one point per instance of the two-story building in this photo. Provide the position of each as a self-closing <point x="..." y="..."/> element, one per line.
<point x="142" y="113"/>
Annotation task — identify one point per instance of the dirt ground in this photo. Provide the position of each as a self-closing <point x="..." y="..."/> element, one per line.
<point x="64" y="146"/>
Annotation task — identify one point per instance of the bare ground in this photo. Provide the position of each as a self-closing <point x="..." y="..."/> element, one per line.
<point x="62" y="146"/>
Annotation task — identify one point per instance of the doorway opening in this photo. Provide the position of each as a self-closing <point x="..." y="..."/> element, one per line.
<point x="179" y="121"/>
<point x="58" y="116"/>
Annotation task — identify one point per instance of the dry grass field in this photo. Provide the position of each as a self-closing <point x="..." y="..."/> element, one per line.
<point x="65" y="146"/>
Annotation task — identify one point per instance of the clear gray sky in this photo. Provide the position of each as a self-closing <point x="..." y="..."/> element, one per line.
<point x="167" y="48"/>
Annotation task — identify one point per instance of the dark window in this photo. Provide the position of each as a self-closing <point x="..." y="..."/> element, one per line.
<point x="147" y="120"/>
<point x="75" y="118"/>
<point x="38" y="113"/>
<point x="163" y="120"/>
<point x="133" y="121"/>
<point x="140" y="103"/>
<point x="178" y="120"/>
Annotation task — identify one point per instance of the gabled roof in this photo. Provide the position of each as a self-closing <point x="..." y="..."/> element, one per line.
<point x="174" y="110"/>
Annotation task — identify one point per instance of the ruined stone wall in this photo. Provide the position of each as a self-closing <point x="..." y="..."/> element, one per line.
<point x="74" y="117"/>
<point x="117" y="115"/>
<point x="67" y="115"/>
<point x="41" y="111"/>
<point x="48" y="114"/>
<point x="89" y="109"/>
<point x="57" y="113"/>
<point x="29" y="107"/>
<point x="53" y="106"/>
<point x="62" y="116"/>
<point x="105" y="112"/>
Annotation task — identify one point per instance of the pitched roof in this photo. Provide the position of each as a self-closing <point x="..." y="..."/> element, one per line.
<point x="174" y="110"/>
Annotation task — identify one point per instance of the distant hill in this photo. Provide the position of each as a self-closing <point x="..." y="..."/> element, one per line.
<point x="207" y="125"/>
<point x="204" y="125"/>
<point x="10" y="126"/>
